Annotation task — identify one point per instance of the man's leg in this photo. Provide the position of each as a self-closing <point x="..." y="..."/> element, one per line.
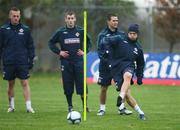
<point x="124" y="88"/>
<point x="27" y="95"/>
<point x="102" y="97"/>
<point x="82" y="99"/>
<point x="11" y="84"/>
<point x="69" y="101"/>
<point x="132" y="102"/>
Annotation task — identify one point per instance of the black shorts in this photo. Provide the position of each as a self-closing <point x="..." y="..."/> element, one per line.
<point x="11" y="72"/>
<point x="72" y="74"/>
<point x="105" y="77"/>
<point x="118" y="77"/>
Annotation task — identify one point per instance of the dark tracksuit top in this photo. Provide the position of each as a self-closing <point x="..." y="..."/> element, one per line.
<point x="100" y="46"/>
<point x="69" y="39"/>
<point x="16" y="45"/>
<point x="125" y="53"/>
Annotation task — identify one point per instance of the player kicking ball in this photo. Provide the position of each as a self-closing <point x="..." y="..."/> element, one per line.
<point x="126" y="52"/>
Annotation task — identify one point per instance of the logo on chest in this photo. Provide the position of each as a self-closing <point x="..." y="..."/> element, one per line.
<point x="135" y="51"/>
<point x="21" y="31"/>
<point x="72" y="41"/>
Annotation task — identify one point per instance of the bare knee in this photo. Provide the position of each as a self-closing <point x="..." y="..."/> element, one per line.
<point x="25" y="83"/>
<point x="11" y="84"/>
<point x="127" y="76"/>
<point x="103" y="89"/>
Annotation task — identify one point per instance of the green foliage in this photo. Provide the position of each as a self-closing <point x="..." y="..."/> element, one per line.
<point x="44" y="10"/>
<point x="160" y="104"/>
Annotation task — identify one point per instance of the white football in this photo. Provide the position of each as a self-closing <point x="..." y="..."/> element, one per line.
<point x="74" y="117"/>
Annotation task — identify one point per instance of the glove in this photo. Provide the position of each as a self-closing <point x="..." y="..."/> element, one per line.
<point x="31" y="66"/>
<point x="132" y="82"/>
<point x="139" y="81"/>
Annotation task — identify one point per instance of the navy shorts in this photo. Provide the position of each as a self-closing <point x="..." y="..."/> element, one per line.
<point x="118" y="77"/>
<point x="72" y="75"/>
<point x="11" y="72"/>
<point x="105" y="77"/>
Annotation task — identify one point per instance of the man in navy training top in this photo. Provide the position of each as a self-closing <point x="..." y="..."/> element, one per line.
<point x="17" y="53"/>
<point x="105" y="77"/>
<point x="70" y="39"/>
<point x="127" y="58"/>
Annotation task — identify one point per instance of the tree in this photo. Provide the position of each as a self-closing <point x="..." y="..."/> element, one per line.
<point x="167" y="18"/>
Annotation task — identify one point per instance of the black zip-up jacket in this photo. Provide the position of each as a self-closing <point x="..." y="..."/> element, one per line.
<point x="16" y="45"/>
<point x="69" y="39"/>
<point x="124" y="53"/>
<point x="100" y="45"/>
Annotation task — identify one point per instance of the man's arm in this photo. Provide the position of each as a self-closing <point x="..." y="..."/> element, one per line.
<point x="88" y="44"/>
<point x="31" y="50"/>
<point x="140" y="67"/>
<point x="53" y="41"/>
<point x="1" y="42"/>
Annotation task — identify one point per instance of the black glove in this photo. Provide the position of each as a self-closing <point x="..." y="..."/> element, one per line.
<point x="139" y="81"/>
<point x="31" y="66"/>
<point x="132" y="82"/>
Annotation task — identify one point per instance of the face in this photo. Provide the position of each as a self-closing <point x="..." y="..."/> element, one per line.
<point x="132" y="36"/>
<point x="14" y="17"/>
<point x="113" y="23"/>
<point x="70" y="21"/>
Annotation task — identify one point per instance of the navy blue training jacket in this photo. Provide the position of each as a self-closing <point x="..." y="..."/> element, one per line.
<point x="125" y="53"/>
<point x="100" y="45"/>
<point x="69" y="39"/>
<point x="16" y="44"/>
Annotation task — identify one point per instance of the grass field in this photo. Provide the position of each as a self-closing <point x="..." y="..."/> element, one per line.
<point x="160" y="103"/>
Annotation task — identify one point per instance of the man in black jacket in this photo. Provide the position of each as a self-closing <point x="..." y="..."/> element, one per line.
<point x="125" y="60"/>
<point x="70" y="38"/>
<point x="17" y="53"/>
<point x="105" y="77"/>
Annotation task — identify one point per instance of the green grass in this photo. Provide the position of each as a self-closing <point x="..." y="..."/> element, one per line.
<point x="161" y="105"/>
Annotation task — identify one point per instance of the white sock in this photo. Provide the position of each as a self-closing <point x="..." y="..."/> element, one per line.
<point x="138" y="110"/>
<point x="103" y="107"/>
<point x="12" y="102"/>
<point x="122" y="106"/>
<point x="122" y="95"/>
<point x="28" y="104"/>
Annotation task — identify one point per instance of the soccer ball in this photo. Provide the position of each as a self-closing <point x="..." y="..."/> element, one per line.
<point x="74" y="117"/>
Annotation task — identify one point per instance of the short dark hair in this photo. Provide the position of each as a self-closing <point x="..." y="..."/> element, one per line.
<point x="14" y="9"/>
<point x="111" y="15"/>
<point x="70" y="12"/>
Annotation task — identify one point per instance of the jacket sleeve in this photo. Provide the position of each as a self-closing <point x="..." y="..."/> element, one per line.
<point x="88" y="44"/>
<point x="140" y="64"/>
<point x="53" y="41"/>
<point x="100" y="49"/>
<point x="1" y="43"/>
<point x="31" y="48"/>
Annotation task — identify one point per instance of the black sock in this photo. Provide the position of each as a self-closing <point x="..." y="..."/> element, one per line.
<point x="82" y="98"/>
<point x="69" y="100"/>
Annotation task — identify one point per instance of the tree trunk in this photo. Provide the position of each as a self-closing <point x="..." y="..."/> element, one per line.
<point x="171" y="47"/>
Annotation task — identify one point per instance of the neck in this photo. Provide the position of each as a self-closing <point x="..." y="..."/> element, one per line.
<point x="112" y="29"/>
<point x="70" y="26"/>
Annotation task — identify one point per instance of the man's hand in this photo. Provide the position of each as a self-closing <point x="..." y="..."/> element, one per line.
<point x="64" y="54"/>
<point x="31" y="66"/>
<point x="80" y="52"/>
<point x="139" y="81"/>
<point x="132" y="82"/>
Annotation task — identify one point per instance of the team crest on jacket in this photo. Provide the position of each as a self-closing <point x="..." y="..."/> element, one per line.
<point x="65" y="32"/>
<point x="77" y="34"/>
<point x="21" y="31"/>
<point x="135" y="51"/>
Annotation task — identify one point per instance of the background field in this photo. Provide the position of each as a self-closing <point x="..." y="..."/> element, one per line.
<point x="160" y="103"/>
